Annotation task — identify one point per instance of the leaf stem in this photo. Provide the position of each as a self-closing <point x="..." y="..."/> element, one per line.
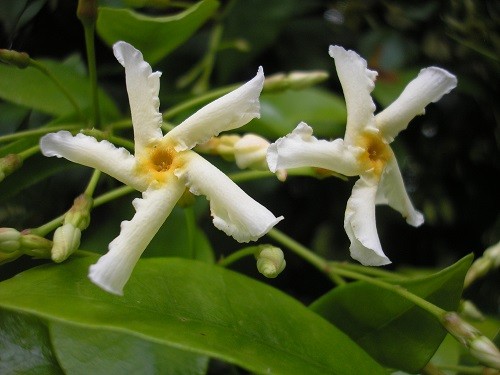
<point x="33" y="132"/>
<point x="190" y="226"/>
<point x="89" y="191"/>
<point x="28" y="152"/>
<point x="89" y="29"/>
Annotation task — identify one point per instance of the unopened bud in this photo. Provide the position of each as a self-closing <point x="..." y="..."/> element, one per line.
<point x="222" y="146"/>
<point x="250" y="152"/>
<point x="481" y="266"/>
<point x="482" y="348"/>
<point x="35" y="246"/>
<point x="9" y="257"/>
<point x="9" y="164"/>
<point x="79" y="214"/>
<point x="270" y="261"/>
<point x="294" y="80"/>
<point x="66" y="242"/>
<point x="493" y="253"/>
<point x="9" y="240"/>
<point x="87" y="11"/>
<point x="19" y="59"/>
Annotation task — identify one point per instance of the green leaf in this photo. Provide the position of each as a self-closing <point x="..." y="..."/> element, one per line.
<point x="83" y="350"/>
<point x="196" y="307"/>
<point x="140" y="30"/>
<point x="282" y="112"/>
<point x="390" y="328"/>
<point x="31" y="88"/>
<point x="25" y="346"/>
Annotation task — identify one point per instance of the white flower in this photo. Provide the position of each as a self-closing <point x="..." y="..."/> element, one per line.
<point x="365" y="149"/>
<point x="164" y="165"/>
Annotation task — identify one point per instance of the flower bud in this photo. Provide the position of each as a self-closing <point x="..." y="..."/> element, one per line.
<point x="479" y="345"/>
<point x="469" y="311"/>
<point x="481" y="266"/>
<point x="66" y="242"/>
<point x="250" y="152"/>
<point x="222" y="146"/>
<point x="79" y="214"/>
<point x="87" y="11"/>
<point x="9" y="257"/>
<point x="270" y="261"/>
<point x="19" y="59"/>
<point x="294" y="80"/>
<point x="9" y="164"/>
<point x="35" y="246"/>
<point x="493" y="253"/>
<point x="9" y="240"/>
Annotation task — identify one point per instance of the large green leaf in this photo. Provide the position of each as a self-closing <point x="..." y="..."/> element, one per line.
<point x="389" y="327"/>
<point x="141" y="30"/>
<point x="31" y="88"/>
<point x="193" y="306"/>
<point x="282" y="112"/>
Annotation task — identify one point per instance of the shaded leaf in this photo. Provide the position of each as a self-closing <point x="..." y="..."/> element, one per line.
<point x="392" y="329"/>
<point x="140" y="30"/>
<point x="193" y="306"/>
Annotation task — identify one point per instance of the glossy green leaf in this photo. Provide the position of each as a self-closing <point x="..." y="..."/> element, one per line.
<point x="193" y="306"/>
<point x="25" y="346"/>
<point x="282" y="112"/>
<point x="31" y="88"/>
<point x="83" y="350"/>
<point x="141" y="30"/>
<point x="393" y="330"/>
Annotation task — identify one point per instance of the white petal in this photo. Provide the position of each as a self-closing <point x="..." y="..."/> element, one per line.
<point x="357" y="83"/>
<point x="302" y="149"/>
<point x="429" y="86"/>
<point x="143" y="87"/>
<point x="360" y="224"/>
<point x="392" y="188"/>
<point x="226" y="113"/>
<point x="112" y="270"/>
<point x="233" y="211"/>
<point x="103" y="155"/>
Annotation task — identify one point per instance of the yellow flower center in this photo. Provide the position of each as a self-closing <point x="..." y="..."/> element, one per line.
<point x="158" y="162"/>
<point x="377" y="152"/>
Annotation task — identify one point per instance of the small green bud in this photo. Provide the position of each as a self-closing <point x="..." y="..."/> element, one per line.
<point x="493" y="253"/>
<point x="294" y="80"/>
<point x="469" y="311"/>
<point x="65" y="242"/>
<point x="34" y="245"/>
<point x="79" y="214"/>
<point x="9" y="164"/>
<point x="270" y="261"/>
<point x="222" y="146"/>
<point x="486" y="352"/>
<point x="9" y="240"/>
<point x="250" y="152"/>
<point x="87" y="11"/>
<point x="9" y="257"/>
<point x="19" y="59"/>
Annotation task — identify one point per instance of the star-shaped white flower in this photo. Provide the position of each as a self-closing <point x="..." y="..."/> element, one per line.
<point x="365" y="149"/>
<point x="164" y="165"/>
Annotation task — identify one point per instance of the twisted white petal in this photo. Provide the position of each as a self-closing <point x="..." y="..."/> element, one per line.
<point x="429" y="86"/>
<point x="302" y="149"/>
<point x="103" y="155"/>
<point x="360" y="224"/>
<point x="233" y="211"/>
<point x="112" y="270"/>
<point x="226" y="113"/>
<point x="143" y="87"/>
<point x="393" y="193"/>
<point x="357" y="83"/>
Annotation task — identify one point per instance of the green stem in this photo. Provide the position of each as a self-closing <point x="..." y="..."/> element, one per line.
<point x="29" y="133"/>
<point x="66" y="93"/>
<point x="209" y="60"/>
<point x="378" y="272"/>
<point x="46" y="228"/>
<point x="233" y="257"/>
<point x="89" y="191"/>
<point x="28" y="152"/>
<point x="211" y="95"/>
<point x="89" y="44"/>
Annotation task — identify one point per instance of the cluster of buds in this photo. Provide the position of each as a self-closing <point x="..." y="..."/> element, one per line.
<point x="270" y="261"/>
<point x="66" y="238"/>
<point x="248" y="151"/>
<point x="13" y="244"/>
<point x="19" y="59"/>
<point x="486" y="263"/>
<point x="9" y="164"/>
<point x="481" y="347"/>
